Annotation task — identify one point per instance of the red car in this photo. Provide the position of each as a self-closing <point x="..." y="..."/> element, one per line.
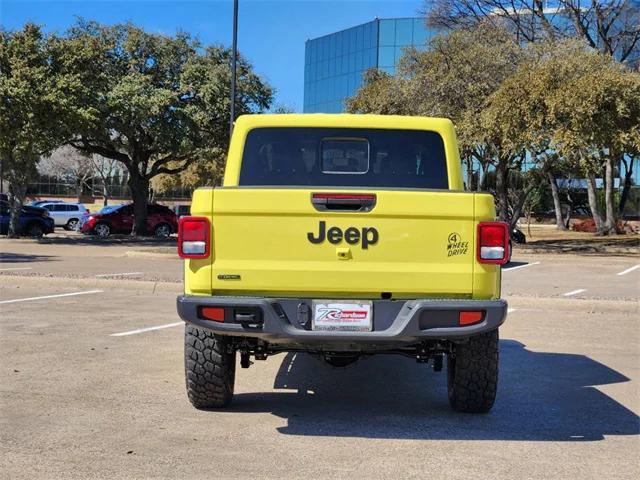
<point x="161" y="221"/>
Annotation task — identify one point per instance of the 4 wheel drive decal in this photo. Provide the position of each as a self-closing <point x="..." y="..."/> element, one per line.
<point x="367" y="236"/>
<point x="455" y="245"/>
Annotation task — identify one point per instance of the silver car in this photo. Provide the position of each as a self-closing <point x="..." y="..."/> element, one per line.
<point x="65" y="215"/>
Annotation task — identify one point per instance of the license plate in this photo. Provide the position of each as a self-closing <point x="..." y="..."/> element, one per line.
<point x="331" y="315"/>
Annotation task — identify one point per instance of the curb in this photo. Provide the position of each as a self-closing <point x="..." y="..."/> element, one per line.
<point x="579" y="250"/>
<point x="119" y="284"/>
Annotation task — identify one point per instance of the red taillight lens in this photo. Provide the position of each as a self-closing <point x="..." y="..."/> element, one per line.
<point x="193" y="237"/>
<point x="470" y="317"/>
<point x="213" y="313"/>
<point x="344" y="196"/>
<point x="493" y="242"/>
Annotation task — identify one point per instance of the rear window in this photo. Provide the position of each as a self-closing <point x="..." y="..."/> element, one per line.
<point x="344" y="157"/>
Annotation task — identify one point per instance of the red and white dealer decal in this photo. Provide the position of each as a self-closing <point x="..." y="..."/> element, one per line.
<point x="346" y="316"/>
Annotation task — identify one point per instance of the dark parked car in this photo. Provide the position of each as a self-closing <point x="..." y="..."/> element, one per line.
<point x="33" y="221"/>
<point x="161" y="221"/>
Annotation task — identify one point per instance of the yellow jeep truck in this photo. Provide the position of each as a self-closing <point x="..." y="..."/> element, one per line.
<point x="342" y="236"/>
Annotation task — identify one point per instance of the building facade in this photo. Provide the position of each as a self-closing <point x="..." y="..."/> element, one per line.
<point x="334" y="63"/>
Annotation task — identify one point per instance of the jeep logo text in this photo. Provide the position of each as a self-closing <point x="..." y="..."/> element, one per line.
<point x="368" y="235"/>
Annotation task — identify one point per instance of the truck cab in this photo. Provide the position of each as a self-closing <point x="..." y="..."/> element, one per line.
<point x="342" y="236"/>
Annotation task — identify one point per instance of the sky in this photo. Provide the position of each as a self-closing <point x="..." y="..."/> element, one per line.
<point x="271" y="34"/>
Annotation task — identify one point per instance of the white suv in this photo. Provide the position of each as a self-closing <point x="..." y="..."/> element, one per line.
<point x="65" y="215"/>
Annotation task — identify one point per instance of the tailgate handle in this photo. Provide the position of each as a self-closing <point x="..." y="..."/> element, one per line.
<point x="351" y="202"/>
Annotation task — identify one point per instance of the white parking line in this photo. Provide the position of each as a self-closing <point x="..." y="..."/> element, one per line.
<point x="126" y="274"/>
<point x="148" y="329"/>
<point x="574" y="292"/>
<point x="14" y="268"/>
<point x="624" y="272"/>
<point x="51" y="296"/>
<point x="511" y="310"/>
<point x="520" y="266"/>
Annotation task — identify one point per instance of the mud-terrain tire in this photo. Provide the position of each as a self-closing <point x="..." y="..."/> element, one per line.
<point x="210" y="369"/>
<point x="472" y="374"/>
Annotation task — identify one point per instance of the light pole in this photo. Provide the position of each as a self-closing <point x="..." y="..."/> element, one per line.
<point x="234" y="57"/>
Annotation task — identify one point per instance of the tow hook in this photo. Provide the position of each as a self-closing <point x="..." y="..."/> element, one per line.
<point x="244" y="359"/>
<point x="437" y="362"/>
<point x="422" y="355"/>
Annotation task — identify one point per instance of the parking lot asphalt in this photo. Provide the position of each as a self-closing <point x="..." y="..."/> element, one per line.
<point x="93" y="383"/>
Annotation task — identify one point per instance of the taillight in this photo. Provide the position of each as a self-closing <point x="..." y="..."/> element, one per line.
<point x="469" y="317"/>
<point x="193" y="237"/>
<point x="212" y="313"/>
<point x="493" y="242"/>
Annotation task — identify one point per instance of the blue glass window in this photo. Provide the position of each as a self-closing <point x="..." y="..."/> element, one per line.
<point x="420" y="32"/>
<point x="373" y="42"/>
<point x="359" y="38"/>
<point x="387" y="32"/>
<point x="404" y="31"/>
<point x="398" y="53"/>
<point x="340" y="44"/>
<point x="386" y="57"/>
<point x="312" y="51"/>
<point x="366" y="32"/>
<point x="351" y="36"/>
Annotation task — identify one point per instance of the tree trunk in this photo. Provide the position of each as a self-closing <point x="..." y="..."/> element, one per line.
<point x="593" y="203"/>
<point x="517" y="210"/>
<point x="627" y="186"/>
<point x="139" y="187"/>
<point x="610" y="219"/>
<point x="501" y="192"/>
<point x="557" y="206"/>
<point x="105" y="196"/>
<point x="482" y="176"/>
<point x="17" y="193"/>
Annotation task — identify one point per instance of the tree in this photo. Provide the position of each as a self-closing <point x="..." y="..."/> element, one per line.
<point x="610" y="26"/>
<point x="31" y="97"/>
<point x="599" y="113"/>
<point x="71" y="166"/>
<point x="453" y="79"/>
<point x="106" y="169"/>
<point x="156" y="104"/>
<point x="519" y="111"/>
<point x="382" y="94"/>
<point x="570" y="106"/>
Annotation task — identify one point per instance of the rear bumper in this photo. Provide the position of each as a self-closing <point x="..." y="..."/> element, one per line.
<point x="398" y="322"/>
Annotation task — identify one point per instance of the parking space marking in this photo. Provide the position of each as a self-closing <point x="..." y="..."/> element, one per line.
<point x="44" y="297"/>
<point x="26" y="268"/>
<point x="148" y="329"/>
<point x="511" y="310"/>
<point x="628" y="270"/>
<point x="574" y="292"/>
<point x="520" y="266"/>
<point x="126" y="274"/>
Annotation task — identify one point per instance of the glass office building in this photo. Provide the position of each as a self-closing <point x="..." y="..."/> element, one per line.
<point x="334" y="63"/>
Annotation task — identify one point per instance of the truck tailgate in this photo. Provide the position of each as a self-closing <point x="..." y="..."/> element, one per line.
<point x="412" y="243"/>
